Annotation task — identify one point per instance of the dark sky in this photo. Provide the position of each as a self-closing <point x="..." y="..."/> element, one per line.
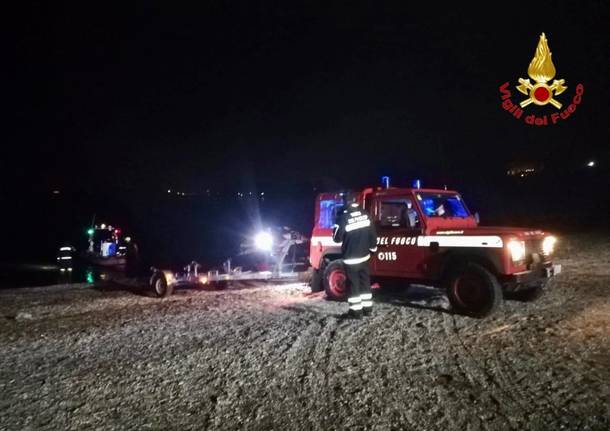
<point x="223" y="94"/>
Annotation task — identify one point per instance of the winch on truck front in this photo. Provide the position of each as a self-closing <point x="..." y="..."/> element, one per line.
<point x="429" y="236"/>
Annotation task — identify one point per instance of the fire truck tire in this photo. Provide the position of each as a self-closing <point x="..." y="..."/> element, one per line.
<point x="316" y="283"/>
<point x="526" y="295"/>
<point x="335" y="281"/>
<point x="473" y="290"/>
<point x="160" y="287"/>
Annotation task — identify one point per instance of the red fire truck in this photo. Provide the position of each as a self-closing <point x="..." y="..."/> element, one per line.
<point x="428" y="236"/>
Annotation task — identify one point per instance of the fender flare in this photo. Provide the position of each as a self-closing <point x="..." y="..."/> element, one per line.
<point x="327" y="258"/>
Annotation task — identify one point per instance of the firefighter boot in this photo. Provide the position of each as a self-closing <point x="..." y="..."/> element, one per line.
<point x="353" y="314"/>
<point x="355" y="308"/>
<point x="366" y="299"/>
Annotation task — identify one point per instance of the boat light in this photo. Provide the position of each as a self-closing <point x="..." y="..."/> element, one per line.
<point x="263" y="241"/>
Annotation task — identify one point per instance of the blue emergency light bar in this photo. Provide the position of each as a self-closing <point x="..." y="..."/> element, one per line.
<point x="416" y="184"/>
<point x="385" y="181"/>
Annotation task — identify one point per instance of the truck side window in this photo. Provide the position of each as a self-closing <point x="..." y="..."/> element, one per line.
<point x="398" y="212"/>
<point x="329" y="209"/>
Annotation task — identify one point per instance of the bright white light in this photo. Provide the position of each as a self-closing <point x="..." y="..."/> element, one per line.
<point x="548" y="245"/>
<point x="517" y="250"/>
<point x="591" y="163"/>
<point x="169" y="277"/>
<point x="263" y="241"/>
<point x="103" y="226"/>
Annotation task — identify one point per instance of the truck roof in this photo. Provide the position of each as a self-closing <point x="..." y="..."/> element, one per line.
<point x="393" y="190"/>
<point x="380" y="191"/>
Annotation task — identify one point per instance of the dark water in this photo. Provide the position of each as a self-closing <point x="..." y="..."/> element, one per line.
<point x="35" y="274"/>
<point x="170" y="231"/>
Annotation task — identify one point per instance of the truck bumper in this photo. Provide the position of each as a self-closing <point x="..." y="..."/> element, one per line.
<point x="523" y="280"/>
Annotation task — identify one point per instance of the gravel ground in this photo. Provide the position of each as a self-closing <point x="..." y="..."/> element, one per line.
<point x="270" y="357"/>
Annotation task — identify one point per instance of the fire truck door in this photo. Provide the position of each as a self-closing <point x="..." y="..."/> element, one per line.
<point x="398" y="227"/>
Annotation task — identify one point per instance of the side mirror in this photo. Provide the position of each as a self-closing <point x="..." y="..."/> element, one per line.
<point x="477" y="218"/>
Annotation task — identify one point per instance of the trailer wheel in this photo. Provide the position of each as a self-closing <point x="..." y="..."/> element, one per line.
<point x="335" y="281"/>
<point x="473" y="290"/>
<point x="307" y="276"/>
<point x="220" y="285"/>
<point x="160" y="287"/>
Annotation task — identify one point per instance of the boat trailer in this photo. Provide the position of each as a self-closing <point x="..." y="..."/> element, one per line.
<point x="163" y="282"/>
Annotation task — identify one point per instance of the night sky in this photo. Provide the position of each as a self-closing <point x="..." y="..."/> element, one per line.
<point x="231" y="95"/>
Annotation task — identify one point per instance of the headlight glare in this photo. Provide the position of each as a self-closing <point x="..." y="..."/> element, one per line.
<point x="548" y="245"/>
<point x="517" y="250"/>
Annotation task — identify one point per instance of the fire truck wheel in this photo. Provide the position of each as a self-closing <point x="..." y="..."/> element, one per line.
<point x="335" y="281"/>
<point x="526" y="295"/>
<point x="160" y="286"/>
<point x="316" y="283"/>
<point x="473" y="290"/>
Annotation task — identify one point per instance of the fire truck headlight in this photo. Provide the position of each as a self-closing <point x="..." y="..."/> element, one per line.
<point x="517" y="250"/>
<point x="263" y="241"/>
<point x="548" y="245"/>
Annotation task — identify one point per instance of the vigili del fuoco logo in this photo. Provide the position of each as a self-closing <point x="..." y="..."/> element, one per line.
<point x="539" y="92"/>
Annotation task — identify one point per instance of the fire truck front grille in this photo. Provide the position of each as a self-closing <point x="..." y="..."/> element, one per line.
<point x="533" y="251"/>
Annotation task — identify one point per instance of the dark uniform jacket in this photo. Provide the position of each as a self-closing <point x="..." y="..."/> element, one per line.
<point x="357" y="234"/>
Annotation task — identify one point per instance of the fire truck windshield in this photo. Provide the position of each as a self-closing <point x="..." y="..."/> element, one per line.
<point x="442" y="205"/>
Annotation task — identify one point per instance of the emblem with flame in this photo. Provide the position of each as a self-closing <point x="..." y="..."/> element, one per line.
<point x="541" y="70"/>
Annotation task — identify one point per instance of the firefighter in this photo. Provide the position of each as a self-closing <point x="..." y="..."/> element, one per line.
<point x="359" y="240"/>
